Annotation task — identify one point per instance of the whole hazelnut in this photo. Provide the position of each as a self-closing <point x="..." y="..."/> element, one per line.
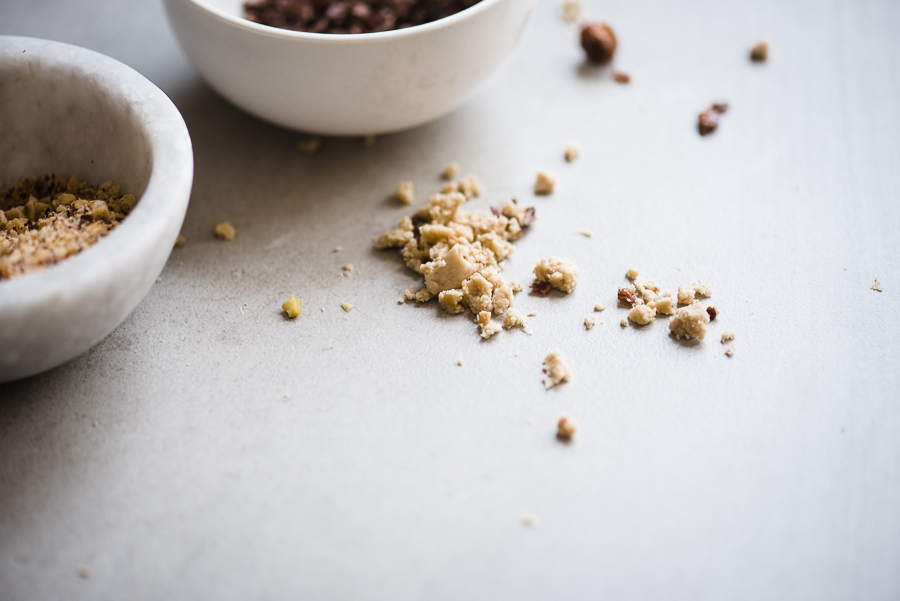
<point x="599" y="43"/>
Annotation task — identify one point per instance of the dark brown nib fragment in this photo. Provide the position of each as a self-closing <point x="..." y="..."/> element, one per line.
<point x="628" y="295"/>
<point x="708" y="120"/>
<point x="350" y="16"/>
<point x="759" y="53"/>
<point x="621" y="77"/>
<point x="541" y="287"/>
<point x="713" y="313"/>
<point x="599" y="43"/>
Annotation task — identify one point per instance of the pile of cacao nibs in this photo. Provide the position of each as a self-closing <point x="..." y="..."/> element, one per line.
<point x="346" y="16"/>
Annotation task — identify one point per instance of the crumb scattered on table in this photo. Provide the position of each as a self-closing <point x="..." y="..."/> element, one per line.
<point x="404" y="193"/>
<point x="346" y="306"/>
<point x="347" y="269"/>
<point x="224" y="231"/>
<point x="555" y="370"/>
<point x="727" y="335"/>
<point x="544" y="183"/>
<point x="451" y="170"/>
<point x="712" y="312"/>
<point x="459" y="362"/>
<point x="730" y="350"/>
<point x="515" y="319"/>
<point x="572" y="151"/>
<point x="559" y="272"/>
<point x="488" y="326"/>
<point x="338" y="248"/>
<point x="690" y="322"/>
<point x="624" y="322"/>
<point x="179" y="241"/>
<point x="642" y="314"/>
<point x="84" y="572"/>
<point x="589" y="322"/>
<point x="877" y="286"/>
<point x="291" y="306"/>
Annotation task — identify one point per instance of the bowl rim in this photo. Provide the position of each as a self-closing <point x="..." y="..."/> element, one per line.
<point x="168" y="187"/>
<point x="345" y="38"/>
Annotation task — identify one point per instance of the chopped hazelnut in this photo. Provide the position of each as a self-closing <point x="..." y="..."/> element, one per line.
<point x="760" y="52"/>
<point x="179" y="241"/>
<point x="566" y="428"/>
<point x="561" y="273"/>
<point x="599" y="307"/>
<point x="571" y="11"/>
<point x="727" y="335"/>
<point x="573" y="151"/>
<point x="599" y="43"/>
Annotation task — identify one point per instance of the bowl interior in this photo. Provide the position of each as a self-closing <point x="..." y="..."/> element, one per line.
<point x="61" y="119"/>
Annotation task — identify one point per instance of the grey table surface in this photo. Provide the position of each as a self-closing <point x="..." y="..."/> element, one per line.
<point x="209" y="448"/>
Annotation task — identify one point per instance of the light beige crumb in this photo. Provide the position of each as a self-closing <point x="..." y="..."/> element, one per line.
<point x="291" y="306"/>
<point x="560" y="273"/>
<point x="322" y="309"/>
<point x="451" y="170"/>
<point x="448" y="187"/>
<point x="532" y="313"/>
<point x="224" y="231"/>
<point x="369" y="141"/>
<point x="179" y="241"/>
<point x="488" y="326"/>
<point x="566" y="428"/>
<point x="423" y="296"/>
<point x="515" y="286"/>
<point x="84" y="572"/>
<point x="664" y="304"/>
<point x="555" y="370"/>
<point x="703" y="289"/>
<point x="404" y="193"/>
<point x="730" y="350"/>
<point x="309" y="145"/>
<point x="338" y="248"/>
<point x="624" y="322"/>
<point x="470" y="187"/>
<point x="599" y="307"/>
<point x="515" y="319"/>
<point x="632" y="274"/>
<point x="877" y="286"/>
<point x="95" y="424"/>
<point x="589" y="322"/>
<point x="572" y="11"/>
<point x="400" y="301"/>
<point x="516" y="354"/>
<point x="529" y="519"/>
<point x="346" y="306"/>
<point x="544" y="183"/>
<point x="685" y="294"/>
<point x="459" y="362"/>
<point x="158" y="280"/>
<point x="727" y="335"/>
<point x="347" y="269"/>
<point x="573" y="149"/>
<point x="690" y="322"/>
<point x="585" y="233"/>
<point x="642" y="314"/>
<point x="410" y="293"/>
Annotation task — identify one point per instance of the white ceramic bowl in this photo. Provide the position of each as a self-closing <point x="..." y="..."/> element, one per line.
<point x="71" y="111"/>
<point x="347" y="85"/>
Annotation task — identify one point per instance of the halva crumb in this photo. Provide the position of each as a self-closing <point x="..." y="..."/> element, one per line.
<point x="703" y="289"/>
<point x="712" y="312"/>
<point x="727" y="335"/>
<point x="685" y="294"/>
<point x="624" y="322"/>
<point x="555" y="370"/>
<point x="179" y="241"/>
<point x="599" y="307"/>
<point x="566" y="428"/>
<point x="515" y="319"/>
<point x="877" y="286"/>
<point x="544" y="183"/>
<point x="451" y="170"/>
<point x="586" y="233"/>
<point x="488" y="326"/>
<point x="346" y="306"/>
<point x="529" y="519"/>
<point x="558" y="272"/>
<point x="470" y="187"/>
<point x="291" y="306"/>
<point x="571" y="11"/>
<point x="404" y="193"/>
<point x="459" y="252"/>
<point x="730" y="350"/>
<point x="690" y="322"/>
<point x="642" y="314"/>
<point x="46" y="219"/>
<point x="347" y="269"/>
<point x="224" y="231"/>
<point x="572" y="151"/>
<point x="632" y="274"/>
<point x="589" y="322"/>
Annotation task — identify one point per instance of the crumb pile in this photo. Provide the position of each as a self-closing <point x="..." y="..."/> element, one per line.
<point x="459" y="253"/>
<point x="647" y="302"/>
<point x="46" y="219"/>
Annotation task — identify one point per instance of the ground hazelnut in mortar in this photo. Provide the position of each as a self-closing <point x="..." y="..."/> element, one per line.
<point x="46" y="219"/>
